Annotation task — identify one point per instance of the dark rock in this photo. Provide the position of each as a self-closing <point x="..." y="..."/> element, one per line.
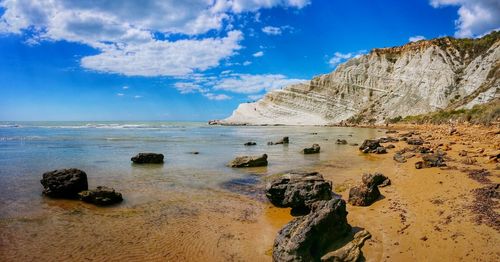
<point x="380" y="150"/>
<point x="64" y="183"/>
<point x="390" y="146"/>
<point x="194" y="152"/>
<point x="391" y="132"/>
<point x="283" y="141"/>
<point x="306" y="238"/>
<point x="351" y="252"/>
<point x="250" y="143"/>
<point x="147" y="158"/>
<point x="369" y="146"/>
<point x="375" y="179"/>
<point x="354" y="144"/>
<point x="400" y="158"/>
<point x="341" y="142"/>
<point x="298" y="190"/>
<point x="432" y="160"/>
<point x="409" y="134"/>
<point x="363" y="195"/>
<point x="249" y="161"/>
<point x="101" y="196"/>
<point x="314" y="149"/>
<point x="415" y="141"/>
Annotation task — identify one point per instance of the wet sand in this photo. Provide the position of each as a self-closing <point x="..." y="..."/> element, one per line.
<point x="425" y="214"/>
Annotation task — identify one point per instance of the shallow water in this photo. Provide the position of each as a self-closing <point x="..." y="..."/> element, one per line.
<point x="192" y="207"/>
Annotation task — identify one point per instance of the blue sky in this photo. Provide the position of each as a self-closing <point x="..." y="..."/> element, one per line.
<point x="196" y="59"/>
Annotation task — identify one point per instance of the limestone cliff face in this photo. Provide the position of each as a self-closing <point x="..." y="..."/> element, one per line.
<point x="413" y="79"/>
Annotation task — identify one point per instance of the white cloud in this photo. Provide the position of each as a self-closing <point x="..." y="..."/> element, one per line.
<point x="272" y="30"/>
<point x="339" y="58"/>
<point x="164" y="58"/>
<point x="218" y="97"/>
<point x="125" y="87"/>
<point x="476" y="17"/>
<point x="126" y="32"/>
<point x="137" y="97"/>
<point x="416" y="38"/>
<point x="255" y="97"/>
<point x="120" y="94"/>
<point x="258" y="54"/>
<point x="247" y="63"/>
<point x="252" y="84"/>
<point x="189" y="87"/>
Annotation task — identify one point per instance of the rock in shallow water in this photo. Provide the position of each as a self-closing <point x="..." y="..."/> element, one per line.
<point x="370" y="146"/>
<point x="249" y="161"/>
<point x="101" y="196"/>
<point x="298" y="190"/>
<point x="250" y="143"/>
<point x="306" y="238"/>
<point x="341" y="142"/>
<point x="314" y="149"/>
<point x="147" y="158"/>
<point x="64" y="183"/>
<point x="284" y="141"/>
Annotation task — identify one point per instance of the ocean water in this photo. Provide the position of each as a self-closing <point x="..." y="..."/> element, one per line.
<point x="182" y="189"/>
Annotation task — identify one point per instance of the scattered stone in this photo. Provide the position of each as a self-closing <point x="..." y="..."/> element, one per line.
<point x="452" y="131"/>
<point x="433" y="160"/>
<point x="380" y="150"/>
<point x="370" y="146"/>
<point x="351" y="252"/>
<point x="314" y="149"/>
<point x="306" y="238"/>
<point x="298" y="190"/>
<point x="64" y="183"/>
<point x="363" y="195"/>
<point x="341" y="142"/>
<point x="249" y="161"/>
<point x="415" y="141"/>
<point x="375" y="179"/>
<point x="391" y="132"/>
<point x="480" y="175"/>
<point x="354" y="144"/>
<point x="390" y="146"/>
<point x="388" y="139"/>
<point x="398" y="157"/>
<point x="408" y="134"/>
<point x="101" y="196"/>
<point x="283" y="141"/>
<point x="485" y="205"/>
<point x="250" y="143"/>
<point x="147" y="158"/>
<point x="469" y="161"/>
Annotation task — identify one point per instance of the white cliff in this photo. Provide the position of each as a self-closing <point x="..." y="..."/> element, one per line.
<point x="413" y="79"/>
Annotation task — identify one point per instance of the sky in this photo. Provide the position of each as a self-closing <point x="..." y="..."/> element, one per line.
<point x="195" y="60"/>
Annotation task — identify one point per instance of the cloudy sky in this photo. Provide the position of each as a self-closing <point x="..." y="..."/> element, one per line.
<point x="196" y="59"/>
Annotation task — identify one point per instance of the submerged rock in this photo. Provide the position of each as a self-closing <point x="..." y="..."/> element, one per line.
<point x="147" y="158"/>
<point x="351" y="252"/>
<point x="314" y="149"/>
<point x="64" y="183"/>
<point x="306" y="238"/>
<point x="298" y="190"/>
<point x="249" y="161"/>
<point x="284" y="140"/>
<point x="101" y="196"/>
<point x="250" y="143"/>
<point x="341" y="142"/>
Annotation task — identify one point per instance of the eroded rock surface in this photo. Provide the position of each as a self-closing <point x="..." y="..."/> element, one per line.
<point x="147" y="158"/>
<point x="101" y="196"/>
<point x="64" y="183"/>
<point x="314" y="149"/>
<point x="249" y="161"/>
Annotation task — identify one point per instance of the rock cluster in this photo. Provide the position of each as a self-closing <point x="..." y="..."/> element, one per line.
<point x="372" y="146"/>
<point x="250" y="143"/>
<point x="431" y="160"/>
<point x="285" y="140"/>
<point x="72" y="184"/>
<point x="341" y="142"/>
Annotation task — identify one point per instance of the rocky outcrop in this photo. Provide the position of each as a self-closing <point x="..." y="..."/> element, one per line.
<point x="417" y="78"/>
<point x="314" y="149"/>
<point x="102" y="196"/>
<point x="372" y="146"/>
<point x="249" y="161"/>
<point x="367" y="192"/>
<point x="64" y="183"/>
<point x="431" y="160"/>
<point x="250" y="143"/>
<point x="298" y="190"/>
<point x="306" y="238"/>
<point x="284" y="141"/>
<point x="147" y="158"/>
